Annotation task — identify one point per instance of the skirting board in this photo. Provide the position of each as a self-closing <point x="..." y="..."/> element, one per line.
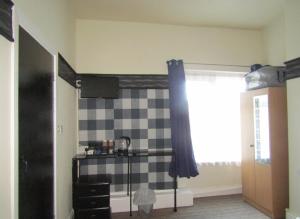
<point x="291" y="215"/>
<point x="216" y="191"/>
<point x="164" y="199"/>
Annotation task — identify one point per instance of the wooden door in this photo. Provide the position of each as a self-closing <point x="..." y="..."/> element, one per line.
<point x="279" y="150"/>
<point x="263" y="186"/>
<point x="36" y="184"/>
<point x="248" y="156"/>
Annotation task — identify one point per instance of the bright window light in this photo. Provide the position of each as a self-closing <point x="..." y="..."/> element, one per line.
<point x="214" y="108"/>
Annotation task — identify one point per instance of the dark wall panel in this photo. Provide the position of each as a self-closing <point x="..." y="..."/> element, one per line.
<point x="66" y="72"/>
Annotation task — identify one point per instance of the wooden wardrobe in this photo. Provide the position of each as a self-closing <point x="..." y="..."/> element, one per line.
<point x="265" y="150"/>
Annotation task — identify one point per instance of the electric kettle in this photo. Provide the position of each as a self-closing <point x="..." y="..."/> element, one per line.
<point x="122" y="144"/>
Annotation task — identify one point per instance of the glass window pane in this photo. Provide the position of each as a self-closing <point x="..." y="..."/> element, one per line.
<point x="261" y="128"/>
<point x="214" y="107"/>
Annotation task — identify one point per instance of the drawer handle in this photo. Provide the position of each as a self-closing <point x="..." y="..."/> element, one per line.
<point x="93" y="216"/>
<point x="92" y="202"/>
<point x="93" y="190"/>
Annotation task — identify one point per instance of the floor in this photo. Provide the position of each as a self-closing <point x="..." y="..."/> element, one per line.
<point x="222" y="207"/>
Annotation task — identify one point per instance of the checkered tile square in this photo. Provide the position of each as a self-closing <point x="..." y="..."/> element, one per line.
<point x="141" y="114"/>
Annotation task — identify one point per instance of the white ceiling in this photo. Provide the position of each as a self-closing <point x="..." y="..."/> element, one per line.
<point x="253" y="14"/>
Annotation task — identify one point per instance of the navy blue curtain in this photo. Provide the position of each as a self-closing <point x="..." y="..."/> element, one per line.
<point x="6" y="28"/>
<point x="183" y="163"/>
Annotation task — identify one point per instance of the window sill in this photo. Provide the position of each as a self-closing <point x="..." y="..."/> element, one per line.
<point x="220" y="163"/>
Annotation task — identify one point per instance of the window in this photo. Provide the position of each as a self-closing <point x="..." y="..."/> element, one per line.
<point x="214" y="107"/>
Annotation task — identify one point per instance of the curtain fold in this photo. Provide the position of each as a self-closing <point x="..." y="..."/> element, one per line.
<point x="183" y="163"/>
<point x="6" y="27"/>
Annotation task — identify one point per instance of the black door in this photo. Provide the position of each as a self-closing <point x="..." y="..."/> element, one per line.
<point x="36" y="181"/>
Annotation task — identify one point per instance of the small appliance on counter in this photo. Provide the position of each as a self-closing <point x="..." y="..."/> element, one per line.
<point x="121" y="145"/>
<point x="100" y="147"/>
<point x="93" y="148"/>
<point x="107" y="146"/>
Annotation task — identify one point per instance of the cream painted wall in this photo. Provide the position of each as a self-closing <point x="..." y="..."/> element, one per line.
<point x="293" y="90"/>
<point x="5" y="128"/>
<point x="214" y="180"/>
<point x="66" y="146"/>
<point x="52" y="23"/>
<point x="274" y="42"/>
<point x="292" y="21"/>
<point x="288" y="24"/>
<point x="143" y="48"/>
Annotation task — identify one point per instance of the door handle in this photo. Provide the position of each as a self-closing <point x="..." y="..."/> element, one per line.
<point x="25" y="164"/>
<point x="251" y="145"/>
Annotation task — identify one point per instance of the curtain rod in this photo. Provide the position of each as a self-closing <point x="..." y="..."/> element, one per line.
<point x="198" y="63"/>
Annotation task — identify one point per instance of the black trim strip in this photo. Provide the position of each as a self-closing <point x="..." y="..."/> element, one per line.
<point x="66" y="72"/>
<point x="6" y="27"/>
<point x="292" y="68"/>
<point x="127" y="81"/>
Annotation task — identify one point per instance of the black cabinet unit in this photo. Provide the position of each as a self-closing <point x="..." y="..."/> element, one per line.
<point x="97" y="186"/>
<point x="91" y="196"/>
<point x="98" y="86"/>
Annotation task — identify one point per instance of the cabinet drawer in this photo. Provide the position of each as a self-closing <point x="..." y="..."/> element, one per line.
<point x="103" y="213"/>
<point x="92" y="202"/>
<point x="83" y="190"/>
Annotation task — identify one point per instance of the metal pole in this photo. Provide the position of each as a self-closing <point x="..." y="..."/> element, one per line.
<point x="175" y="194"/>
<point x="128" y="181"/>
<point x="130" y="185"/>
<point x="175" y="184"/>
<point x="215" y="64"/>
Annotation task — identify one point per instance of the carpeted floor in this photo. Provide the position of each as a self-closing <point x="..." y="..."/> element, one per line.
<point x="222" y="207"/>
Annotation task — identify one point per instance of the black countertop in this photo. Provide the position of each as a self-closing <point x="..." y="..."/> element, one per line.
<point x="131" y="153"/>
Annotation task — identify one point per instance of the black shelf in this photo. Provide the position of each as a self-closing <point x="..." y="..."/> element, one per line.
<point x="131" y="154"/>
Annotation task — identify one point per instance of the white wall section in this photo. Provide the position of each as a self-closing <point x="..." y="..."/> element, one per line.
<point x="292" y="21"/>
<point x="143" y="48"/>
<point x="292" y="30"/>
<point x="214" y="179"/>
<point x="5" y="129"/>
<point x="286" y="29"/>
<point x="274" y="42"/>
<point x="293" y="89"/>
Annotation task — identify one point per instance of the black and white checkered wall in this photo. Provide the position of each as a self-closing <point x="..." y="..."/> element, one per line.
<point x="141" y="114"/>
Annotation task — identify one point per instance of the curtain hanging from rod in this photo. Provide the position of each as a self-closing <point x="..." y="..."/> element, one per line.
<point x="6" y="27"/>
<point x="183" y="163"/>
